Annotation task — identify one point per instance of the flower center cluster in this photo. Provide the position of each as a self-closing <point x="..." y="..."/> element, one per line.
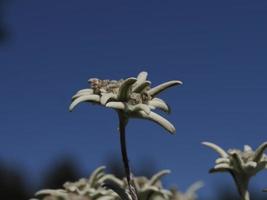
<point x="105" y="86"/>
<point x="112" y="86"/>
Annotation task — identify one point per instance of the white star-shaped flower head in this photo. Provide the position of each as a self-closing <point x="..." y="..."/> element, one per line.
<point x="133" y="97"/>
<point x="246" y="162"/>
<point x="242" y="165"/>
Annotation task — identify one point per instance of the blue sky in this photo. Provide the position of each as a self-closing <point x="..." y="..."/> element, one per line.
<point x="217" y="48"/>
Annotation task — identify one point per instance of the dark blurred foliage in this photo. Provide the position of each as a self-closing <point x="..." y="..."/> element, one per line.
<point x="14" y="186"/>
<point x="3" y="26"/>
<point x="63" y="171"/>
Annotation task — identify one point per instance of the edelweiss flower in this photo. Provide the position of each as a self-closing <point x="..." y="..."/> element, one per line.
<point x="241" y="164"/>
<point x="152" y="188"/>
<point x="84" y="189"/>
<point x="145" y="188"/>
<point x="132" y="96"/>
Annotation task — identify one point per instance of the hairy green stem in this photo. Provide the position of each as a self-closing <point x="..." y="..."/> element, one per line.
<point x="122" y="126"/>
<point x="242" y="186"/>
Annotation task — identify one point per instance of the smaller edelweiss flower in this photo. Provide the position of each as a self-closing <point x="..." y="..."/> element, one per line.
<point x="190" y="194"/>
<point x="145" y="188"/>
<point x="151" y="188"/>
<point x="242" y="165"/>
<point x="133" y="97"/>
<point x="83" y="189"/>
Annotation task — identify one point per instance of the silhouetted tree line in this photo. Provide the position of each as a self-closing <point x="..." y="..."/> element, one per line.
<point x="14" y="185"/>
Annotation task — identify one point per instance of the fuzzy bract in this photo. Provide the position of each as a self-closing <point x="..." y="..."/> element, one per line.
<point x="134" y="97"/>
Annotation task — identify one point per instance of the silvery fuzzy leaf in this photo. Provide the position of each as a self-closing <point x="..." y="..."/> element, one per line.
<point x="116" y="105"/>
<point x="124" y="89"/>
<point x="84" y="98"/>
<point x="190" y="194"/>
<point x="141" y="87"/>
<point x="96" y="175"/>
<point x="90" y="80"/>
<point x="194" y="188"/>
<point x="156" y="90"/>
<point x="250" y="165"/>
<point x="111" y="178"/>
<point x="139" y="107"/>
<point x="160" y="104"/>
<point x="222" y="160"/>
<point x="247" y="148"/>
<point x="216" y="148"/>
<point x="259" y="152"/>
<point x="48" y="192"/>
<point x="105" y="98"/>
<point x="237" y="161"/>
<point x="141" y="79"/>
<point x="139" y="182"/>
<point x="157" y="119"/>
<point x="155" y="178"/>
<point x="223" y="165"/>
<point x="82" y="92"/>
<point x="87" y="90"/>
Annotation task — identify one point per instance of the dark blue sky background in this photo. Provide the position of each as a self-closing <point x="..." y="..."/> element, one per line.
<point x="217" y="48"/>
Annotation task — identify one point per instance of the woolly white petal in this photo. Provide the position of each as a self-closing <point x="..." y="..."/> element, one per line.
<point x="216" y="148"/>
<point x="251" y="164"/>
<point x="223" y="165"/>
<point x="237" y="161"/>
<point x="160" y="104"/>
<point x="116" y="105"/>
<point x="247" y="148"/>
<point x="110" y="177"/>
<point x="95" y="174"/>
<point x="58" y="193"/>
<point x="125" y="88"/>
<point x="195" y="187"/>
<point x="259" y="152"/>
<point x="89" y="90"/>
<point x="140" y="107"/>
<point x="83" y="92"/>
<point x="159" y="120"/>
<point x="141" y="79"/>
<point x="106" y="97"/>
<point x="154" y="91"/>
<point x="155" y="178"/>
<point x="84" y="98"/>
<point x="139" y="88"/>
<point x="222" y="160"/>
<point x="221" y="168"/>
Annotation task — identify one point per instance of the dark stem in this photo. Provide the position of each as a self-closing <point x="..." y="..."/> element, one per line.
<point x="241" y="182"/>
<point x="122" y="126"/>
